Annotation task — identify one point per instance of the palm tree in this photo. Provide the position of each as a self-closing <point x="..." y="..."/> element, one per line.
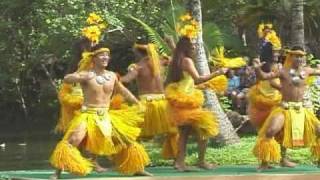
<point x="297" y="23"/>
<point x="227" y="133"/>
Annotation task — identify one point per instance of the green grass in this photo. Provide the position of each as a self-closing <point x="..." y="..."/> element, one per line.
<point x="236" y="154"/>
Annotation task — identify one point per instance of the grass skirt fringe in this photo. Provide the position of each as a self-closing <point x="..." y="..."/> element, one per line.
<point x="218" y="84"/>
<point x="186" y="109"/>
<point x="267" y="150"/>
<point x="156" y="120"/>
<point x="125" y="126"/>
<point x="69" y="103"/>
<point x="315" y="150"/>
<point x="170" y="146"/>
<point x="95" y="142"/>
<point x="67" y="157"/>
<point x="132" y="159"/>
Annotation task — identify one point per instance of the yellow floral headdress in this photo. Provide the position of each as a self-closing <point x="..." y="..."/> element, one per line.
<point x="86" y="61"/>
<point x="187" y="26"/>
<point x="218" y="57"/>
<point x="96" y="26"/>
<point x="271" y="36"/>
<point x="153" y="56"/>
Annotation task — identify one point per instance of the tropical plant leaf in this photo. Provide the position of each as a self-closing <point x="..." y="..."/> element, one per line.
<point x="153" y="36"/>
<point x="212" y="36"/>
<point x="172" y="18"/>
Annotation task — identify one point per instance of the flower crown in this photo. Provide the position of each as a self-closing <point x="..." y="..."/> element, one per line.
<point x="187" y="26"/>
<point x="96" y="26"/>
<point x="86" y="61"/>
<point x="271" y="36"/>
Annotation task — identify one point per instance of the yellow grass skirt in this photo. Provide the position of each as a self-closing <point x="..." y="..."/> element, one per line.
<point x="186" y="109"/>
<point x="66" y="157"/>
<point x="269" y="149"/>
<point x="156" y="120"/>
<point x="97" y="141"/>
<point x="132" y="159"/>
<point x="262" y="98"/>
<point x="170" y="146"/>
<point x="107" y="133"/>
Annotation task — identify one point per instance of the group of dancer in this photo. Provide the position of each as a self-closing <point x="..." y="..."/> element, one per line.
<point x="95" y="122"/>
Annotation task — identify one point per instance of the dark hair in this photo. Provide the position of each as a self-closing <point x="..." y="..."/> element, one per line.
<point x="183" y="49"/>
<point x="140" y="52"/>
<point x="295" y="48"/>
<point x="78" y="47"/>
<point x="81" y="45"/>
<point x="266" y="55"/>
<point x="96" y="47"/>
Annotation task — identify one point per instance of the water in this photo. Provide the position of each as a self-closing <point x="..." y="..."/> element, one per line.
<point x="17" y="153"/>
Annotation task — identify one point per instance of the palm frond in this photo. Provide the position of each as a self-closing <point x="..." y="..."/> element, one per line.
<point x="171" y="18"/>
<point x="212" y="36"/>
<point x="153" y="36"/>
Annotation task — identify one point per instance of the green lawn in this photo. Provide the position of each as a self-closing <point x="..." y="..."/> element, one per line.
<point x="236" y="154"/>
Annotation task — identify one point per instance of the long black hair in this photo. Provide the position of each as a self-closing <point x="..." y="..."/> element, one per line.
<point x="183" y="49"/>
<point x="266" y="55"/>
<point x="79" y="46"/>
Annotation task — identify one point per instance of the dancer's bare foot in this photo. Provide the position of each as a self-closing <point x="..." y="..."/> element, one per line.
<point x="56" y="175"/>
<point x="143" y="173"/>
<point x="53" y="177"/>
<point x="285" y="162"/>
<point x="264" y="166"/>
<point x="100" y="169"/>
<point x="182" y="167"/>
<point x="206" y="165"/>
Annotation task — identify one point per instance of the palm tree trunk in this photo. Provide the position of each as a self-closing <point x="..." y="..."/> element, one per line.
<point x="297" y="23"/>
<point x="227" y="133"/>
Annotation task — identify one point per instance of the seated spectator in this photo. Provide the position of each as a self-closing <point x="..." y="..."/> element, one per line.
<point x="247" y="79"/>
<point x="233" y="86"/>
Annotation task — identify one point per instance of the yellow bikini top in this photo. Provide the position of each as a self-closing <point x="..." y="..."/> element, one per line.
<point x="186" y="84"/>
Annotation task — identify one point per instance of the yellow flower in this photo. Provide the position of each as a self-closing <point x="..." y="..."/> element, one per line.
<point x="103" y="26"/>
<point x="194" y="22"/>
<point x="274" y="39"/>
<point x="178" y="27"/>
<point x="189" y="31"/>
<point x="260" y="30"/>
<point x="94" y="19"/>
<point x="269" y="25"/>
<point x="185" y="17"/>
<point x="92" y="33"/>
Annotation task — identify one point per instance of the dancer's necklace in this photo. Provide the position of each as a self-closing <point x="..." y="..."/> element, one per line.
<point x="297" y="76"/>
<point x="102" y="79"/>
